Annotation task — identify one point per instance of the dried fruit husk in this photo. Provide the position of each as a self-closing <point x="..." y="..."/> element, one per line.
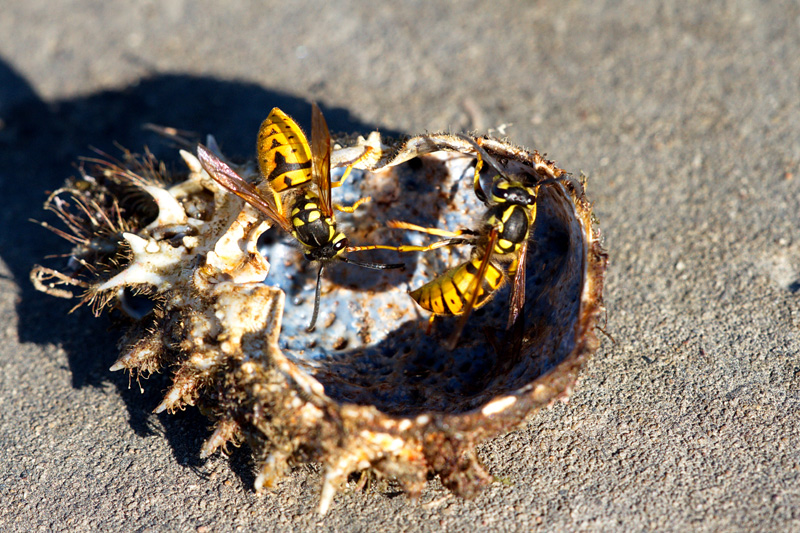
<point x="371" y="389"/>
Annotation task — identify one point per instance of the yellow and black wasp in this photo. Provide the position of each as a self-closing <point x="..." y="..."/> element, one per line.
<point x="499" y="249"/>
<point x="287" y="164"/>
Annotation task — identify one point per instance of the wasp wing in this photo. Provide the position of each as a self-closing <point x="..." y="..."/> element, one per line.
<point x="518" y="289"/>
<point x="321" y="158"/>
<point x="225" y="176"/>
<point x="476" y="287"/>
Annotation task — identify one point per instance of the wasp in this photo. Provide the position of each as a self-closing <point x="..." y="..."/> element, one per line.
<point x="499" y="249"/>
<point x="288" y="165"/>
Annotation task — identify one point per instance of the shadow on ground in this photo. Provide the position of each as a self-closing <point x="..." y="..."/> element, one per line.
<point x="40" y="143"/>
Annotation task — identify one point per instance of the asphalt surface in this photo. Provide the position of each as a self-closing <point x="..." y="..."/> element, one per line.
<point x="685" y="118"/>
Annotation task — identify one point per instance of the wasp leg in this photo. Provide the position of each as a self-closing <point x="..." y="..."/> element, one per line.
<point x="351" y="208"/>
<point x="454" y="238"/>
<point x="429" y="329"/>
<point x="430" y="231"/>
<point x="362" y="157"/>
<point x="278" y="203"/>
<point x="410" y="247"/>
<point x="476" y="180"/>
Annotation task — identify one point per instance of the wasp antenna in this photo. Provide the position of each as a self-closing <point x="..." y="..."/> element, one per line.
<point x="481" y="152"/>
<point x="317" y="293"/>
<point x="374" y="266"/>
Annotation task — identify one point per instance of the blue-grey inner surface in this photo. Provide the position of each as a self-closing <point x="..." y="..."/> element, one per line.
<point x="371" y="345"/>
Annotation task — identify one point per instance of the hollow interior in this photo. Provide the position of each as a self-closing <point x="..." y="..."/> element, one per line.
<point x="372" y="344"/>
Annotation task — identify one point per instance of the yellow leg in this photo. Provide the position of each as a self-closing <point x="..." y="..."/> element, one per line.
<point x="278" y="202"/>
<point x="351" y="208"/>
<point x="430" y="231"/>
<point x="409" y="247"/>
<point x="454" y="238"/>
<point x="362" y="157"/>
<point x="512" y="268"/>
<point x="476" y="180"/>
<point x="429" y="329"/>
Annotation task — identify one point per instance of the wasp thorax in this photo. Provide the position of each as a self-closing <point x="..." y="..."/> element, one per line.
<point x="512" y="193"/>
<point x="311" y="227"/>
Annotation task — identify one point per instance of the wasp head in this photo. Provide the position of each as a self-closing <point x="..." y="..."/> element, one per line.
<point x="511" y="192"/>
<point x="329" y="250"/>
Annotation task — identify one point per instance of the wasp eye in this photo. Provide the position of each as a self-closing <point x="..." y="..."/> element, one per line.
<point x="339" y="245"/>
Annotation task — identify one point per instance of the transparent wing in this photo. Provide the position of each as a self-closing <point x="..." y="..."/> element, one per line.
<point x="321" y="158"/>
<point x="518" y="289"/>
<point x="225" y="176"/>
<point x="462" y="321"/>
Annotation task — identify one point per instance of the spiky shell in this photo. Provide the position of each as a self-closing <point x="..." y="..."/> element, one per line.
<point x="370" y="389"/>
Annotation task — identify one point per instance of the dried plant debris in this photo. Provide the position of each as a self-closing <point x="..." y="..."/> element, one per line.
<point x="375" y="387"/>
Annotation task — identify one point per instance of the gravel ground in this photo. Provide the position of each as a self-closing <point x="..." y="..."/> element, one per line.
<point x="685" y="118"/>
